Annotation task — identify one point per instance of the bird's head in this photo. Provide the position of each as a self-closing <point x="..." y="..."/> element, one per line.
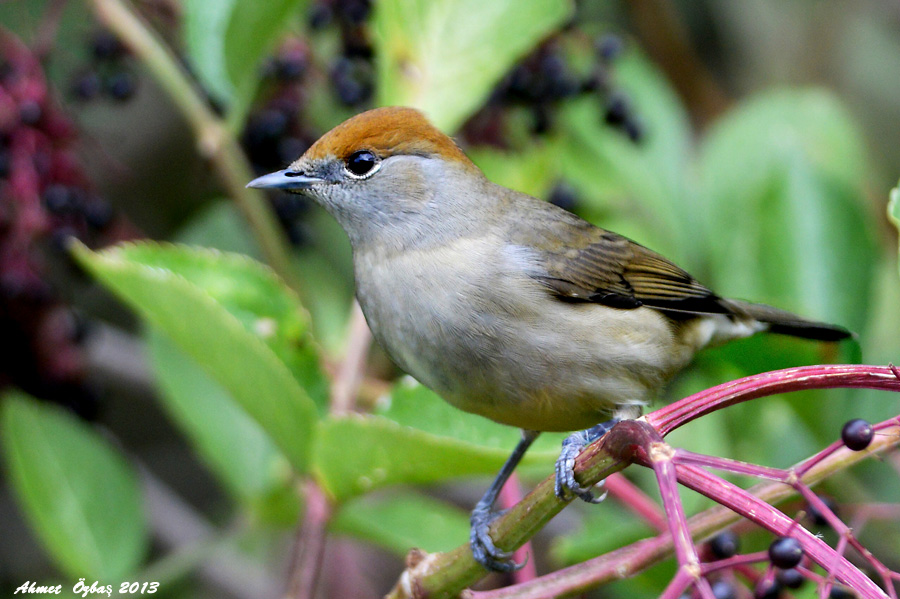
<point x="378" y="168"/>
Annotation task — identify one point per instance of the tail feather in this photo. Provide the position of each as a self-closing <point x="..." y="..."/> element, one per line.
<point x="783" y="322"/>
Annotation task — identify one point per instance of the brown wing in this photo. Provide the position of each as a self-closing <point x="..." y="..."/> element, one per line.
<point x="595" y="265"/>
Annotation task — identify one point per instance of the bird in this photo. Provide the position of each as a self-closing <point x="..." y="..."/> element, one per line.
<point x="506" y="305"/>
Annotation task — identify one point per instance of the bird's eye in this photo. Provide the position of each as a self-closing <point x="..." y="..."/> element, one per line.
<point x="361" y="162"/>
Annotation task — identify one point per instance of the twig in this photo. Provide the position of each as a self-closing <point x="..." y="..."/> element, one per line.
<point x="310" y="539"/>
<point x="350" y="371"/>
<point x="310" y="544"/>
<point x="214" y="142"/>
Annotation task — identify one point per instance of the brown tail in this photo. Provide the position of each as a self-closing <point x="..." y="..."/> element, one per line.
<point x="785" y="323"/>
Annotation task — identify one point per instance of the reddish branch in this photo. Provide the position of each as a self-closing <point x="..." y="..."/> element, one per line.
<point x="641" y="442"/>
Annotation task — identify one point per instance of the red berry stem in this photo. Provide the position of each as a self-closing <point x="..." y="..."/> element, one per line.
<point x="674" y="415"/>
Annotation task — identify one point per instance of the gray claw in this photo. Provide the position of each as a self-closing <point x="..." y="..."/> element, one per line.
<point x="565" y="464"/>
<point x="483" y="549"/>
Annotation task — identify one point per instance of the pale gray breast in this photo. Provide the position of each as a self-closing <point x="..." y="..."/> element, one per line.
<point x="439" y="312"/>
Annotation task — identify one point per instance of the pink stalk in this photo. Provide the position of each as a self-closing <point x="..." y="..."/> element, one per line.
<point x="678" y="585"/>
<point x="674" y="415"/>
<point x="707" y="461"/>
<point x="637" y="439"/>
<point x="734" y="561"/>
<point x="633" y="441"/>
<point x="845" y="533"/>
<point x="662" y="461"/>
<point x="773" y="520"/>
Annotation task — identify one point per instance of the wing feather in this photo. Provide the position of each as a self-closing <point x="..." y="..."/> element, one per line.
<point x="595" y="265"/>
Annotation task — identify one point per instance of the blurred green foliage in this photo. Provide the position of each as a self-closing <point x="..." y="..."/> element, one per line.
<point x="769" y="203"/>
<point x="80" y="494"/>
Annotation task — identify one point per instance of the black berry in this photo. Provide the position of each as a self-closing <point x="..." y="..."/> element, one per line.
<point x="290" y="148"/>
<point x="857" y="434"/>
<point x="723" y="589"/>
<point x="790" y="578"/>
<point x="609" y="47"/>
<point x="30" y="112"/>
<point x="58" y="199"/>
<point x="785" y="552"/>
<point x="121" y="86"/>
<point x="291" y="63"/>
<point x="633" y="130"/>
<point x="4" y="164"/>
<point x="106" y="46"/>
<point x="841" y="593"/>
<point x="724" y="545"/>
<point x="98" y="214"/>
<point x="564" y="195"/>
<point x="767" y="589"/>
<point x="817" y="518"/>
<point x="617" y="110"/>
<point x="355" y="12"/>
<point x="320" y="16"/>
<point x="353" y="81"/>
<point x="87" y="86"/>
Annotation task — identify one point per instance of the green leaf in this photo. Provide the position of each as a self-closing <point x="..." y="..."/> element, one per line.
<point x="666" y="142"/>
<point x="419" y="439"/>
<point x="323" y="266"/>
<point x="226" y="41"/>
<point x="622" y="176"/>
<point x="235" y="319"/>
<point x="414" y="405"/>
<point x="231" y="443"/>
<point x="80" y="495"/>
<point x="645" y="182"/>
<point x="403" y="520"/>
<point x="204" y="26"/>
<point x="782" y="181"/>
<point x="253" y="29"/>
<point x="218" y="225"/>
<point x="444" y="56"/>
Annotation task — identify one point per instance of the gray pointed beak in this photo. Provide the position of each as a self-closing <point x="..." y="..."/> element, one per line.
<point x="286" y="179"/>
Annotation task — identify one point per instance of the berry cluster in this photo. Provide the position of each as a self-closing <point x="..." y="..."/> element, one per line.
<point x="275" y="135"/>
<point x="109" y="72"/>
<point x="45" y="200"/>
<point x="352" y="73"/>
<point x="785" y="555"/>
<point x="545" y="78"/>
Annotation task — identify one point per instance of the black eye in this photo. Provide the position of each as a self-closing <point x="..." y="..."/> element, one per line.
<point x="361" y="162"/>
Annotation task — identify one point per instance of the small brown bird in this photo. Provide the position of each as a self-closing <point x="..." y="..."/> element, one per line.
<point x="505" y="305"/>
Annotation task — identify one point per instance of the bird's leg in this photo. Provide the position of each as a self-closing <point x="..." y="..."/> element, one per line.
<point x="483" y="549"/>
<point x="565" y="463"/>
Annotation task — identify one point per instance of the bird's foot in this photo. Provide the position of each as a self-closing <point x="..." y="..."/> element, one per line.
<point x="483" y="549"/>
<point x="565" y="463"/>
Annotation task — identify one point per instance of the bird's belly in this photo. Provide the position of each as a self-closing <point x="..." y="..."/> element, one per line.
<point x="522" y="357"/>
